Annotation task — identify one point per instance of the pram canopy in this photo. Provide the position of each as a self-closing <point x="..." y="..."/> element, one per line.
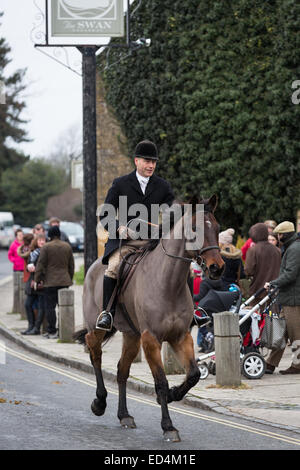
<point x="218" y="301"/>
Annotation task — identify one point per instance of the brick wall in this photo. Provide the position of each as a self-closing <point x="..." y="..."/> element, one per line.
<point x="112" y="160"/>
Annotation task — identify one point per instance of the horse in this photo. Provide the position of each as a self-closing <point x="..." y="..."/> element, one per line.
<point x="165" y="316"/>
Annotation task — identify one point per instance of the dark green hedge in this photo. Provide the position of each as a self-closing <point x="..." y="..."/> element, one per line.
<point x="214" y="92"/>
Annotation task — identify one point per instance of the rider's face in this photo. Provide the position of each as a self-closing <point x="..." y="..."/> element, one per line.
<point x="145" y="167"/>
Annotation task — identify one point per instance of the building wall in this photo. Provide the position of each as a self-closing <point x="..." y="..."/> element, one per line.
<point x="112" y="159"/>
<point x="63" y="205"/>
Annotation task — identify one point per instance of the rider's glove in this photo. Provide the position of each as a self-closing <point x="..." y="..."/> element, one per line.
<point x="127" y="233"/>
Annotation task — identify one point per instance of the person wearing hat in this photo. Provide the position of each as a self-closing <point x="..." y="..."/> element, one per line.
<point x="232" y="256"/>
<point x="55" y="267"/>
<point x="141" y="186"/>
<point x="288" y="283"/>
<point x="271" y="224"/>
<point x="262" y="260"/>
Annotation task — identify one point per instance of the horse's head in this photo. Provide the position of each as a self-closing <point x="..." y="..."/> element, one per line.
<point x="208" y="256"/>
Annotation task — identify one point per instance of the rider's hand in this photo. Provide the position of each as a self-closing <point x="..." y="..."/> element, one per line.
<point x="267" y="286"/>
<point x="127" y="233"/>
<point x="123" y="232"/>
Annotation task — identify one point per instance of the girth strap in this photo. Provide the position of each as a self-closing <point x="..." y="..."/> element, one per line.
<point x="128" y="319"/>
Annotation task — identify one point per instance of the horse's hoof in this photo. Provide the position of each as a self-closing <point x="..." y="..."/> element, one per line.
<point x="128" y="422"/>
<point x="96" y="409"/>
<point x="172" y="436"/>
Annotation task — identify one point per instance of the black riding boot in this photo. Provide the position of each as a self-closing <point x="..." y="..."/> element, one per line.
<point x="105" y="319"/>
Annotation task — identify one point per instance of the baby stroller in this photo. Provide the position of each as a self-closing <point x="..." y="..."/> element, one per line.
<point x="251" y="325"/>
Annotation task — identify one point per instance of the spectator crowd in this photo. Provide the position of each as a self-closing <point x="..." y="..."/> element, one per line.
<point x="46" y="261"/>
<point x="270" y="258"/>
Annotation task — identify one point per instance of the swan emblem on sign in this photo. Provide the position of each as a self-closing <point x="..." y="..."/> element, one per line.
<point x="85" y="4"/>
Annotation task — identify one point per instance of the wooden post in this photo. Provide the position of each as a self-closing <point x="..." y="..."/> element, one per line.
<point x="22" y="297"/>
<point x="227" y="349"/>
<point x="66" y="315"/>
<point x="17" y="277"/>
<point x="170" y="361"/>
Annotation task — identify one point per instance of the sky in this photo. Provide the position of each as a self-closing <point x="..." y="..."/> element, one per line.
<point x="53" y="93"/>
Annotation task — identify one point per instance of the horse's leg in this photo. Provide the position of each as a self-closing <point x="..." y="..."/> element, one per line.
<point x="94" y="341"/>
<point x="130" y="349"/>
<point x="152" y="350"/>
<point x="185" y="351"/>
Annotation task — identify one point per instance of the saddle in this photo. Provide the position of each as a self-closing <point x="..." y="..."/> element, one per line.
<point x="125" y="273"/>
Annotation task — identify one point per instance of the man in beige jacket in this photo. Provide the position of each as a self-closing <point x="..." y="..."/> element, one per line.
<point x="55" y="268"/>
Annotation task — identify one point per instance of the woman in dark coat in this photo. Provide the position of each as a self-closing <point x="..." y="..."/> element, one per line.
<point x="262" y="260"/>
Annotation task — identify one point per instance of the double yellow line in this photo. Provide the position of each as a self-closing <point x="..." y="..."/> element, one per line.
<point x="175" y="409"/>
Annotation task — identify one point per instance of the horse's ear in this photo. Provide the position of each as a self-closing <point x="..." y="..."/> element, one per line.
<point x="213" y="202"/>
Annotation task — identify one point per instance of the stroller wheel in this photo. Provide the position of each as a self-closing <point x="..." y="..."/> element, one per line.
<point x="203" y="371"/>
<point x="212" y="368"/>
<point x="253" y="365"/>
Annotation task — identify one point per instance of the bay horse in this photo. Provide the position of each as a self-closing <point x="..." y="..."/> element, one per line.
<point x="160" y="306"/>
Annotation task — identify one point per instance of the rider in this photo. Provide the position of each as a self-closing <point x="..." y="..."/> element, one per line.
<point x="139" y="187"/>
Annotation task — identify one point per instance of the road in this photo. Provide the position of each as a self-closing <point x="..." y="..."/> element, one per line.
<point x="47" y="406"/>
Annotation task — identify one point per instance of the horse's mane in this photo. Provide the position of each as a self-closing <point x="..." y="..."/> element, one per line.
<point x="208" y="207"/>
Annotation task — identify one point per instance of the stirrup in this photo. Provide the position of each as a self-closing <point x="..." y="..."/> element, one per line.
<point x="99" y="320"/>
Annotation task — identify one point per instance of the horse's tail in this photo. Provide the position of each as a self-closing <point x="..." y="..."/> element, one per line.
<point x="80" y="335"/>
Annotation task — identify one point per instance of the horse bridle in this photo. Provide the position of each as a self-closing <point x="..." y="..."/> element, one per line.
<point x="201" y="263"/>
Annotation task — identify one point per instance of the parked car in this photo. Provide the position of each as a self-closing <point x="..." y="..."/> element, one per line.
<point x="7" y="234"/>
<point x="26" y="230"/>
<point x="75" y="234"/>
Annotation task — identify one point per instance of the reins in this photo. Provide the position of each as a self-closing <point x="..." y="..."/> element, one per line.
<point x="198" y="258"/>
<point x="182" y="258"/>
<point x="189" y="260"/>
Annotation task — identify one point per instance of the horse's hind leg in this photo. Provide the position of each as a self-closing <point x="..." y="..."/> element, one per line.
<point x="185" y="351"/>
<point x="152" y="350"/>
<point x="131" y="345"/>
<point x="94" y="341"/>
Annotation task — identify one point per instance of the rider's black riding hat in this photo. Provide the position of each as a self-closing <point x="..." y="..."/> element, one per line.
<point x="146" y="149"/>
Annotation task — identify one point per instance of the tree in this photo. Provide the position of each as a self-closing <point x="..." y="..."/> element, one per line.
<point x="10" y="115"/>
<point x="66" y="149"/>
<point x="214" y="92"/>
<point x="28" y="187"/>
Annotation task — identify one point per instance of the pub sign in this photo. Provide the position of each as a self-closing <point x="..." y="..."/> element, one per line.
<point x="82" y="21"/>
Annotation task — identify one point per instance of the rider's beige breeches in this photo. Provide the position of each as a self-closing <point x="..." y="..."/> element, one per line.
<point x="116" y="258"/>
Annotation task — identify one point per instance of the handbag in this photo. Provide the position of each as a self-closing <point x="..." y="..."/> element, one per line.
<point x="274" y="332"/>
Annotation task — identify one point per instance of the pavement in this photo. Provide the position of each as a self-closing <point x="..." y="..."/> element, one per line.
<point x="273" y="399"/>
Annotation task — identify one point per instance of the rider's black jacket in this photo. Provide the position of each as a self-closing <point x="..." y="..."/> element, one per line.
<point x="158" y="191"/>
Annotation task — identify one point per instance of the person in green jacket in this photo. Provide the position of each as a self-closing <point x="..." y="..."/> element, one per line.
<point x="288" y="283"/>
